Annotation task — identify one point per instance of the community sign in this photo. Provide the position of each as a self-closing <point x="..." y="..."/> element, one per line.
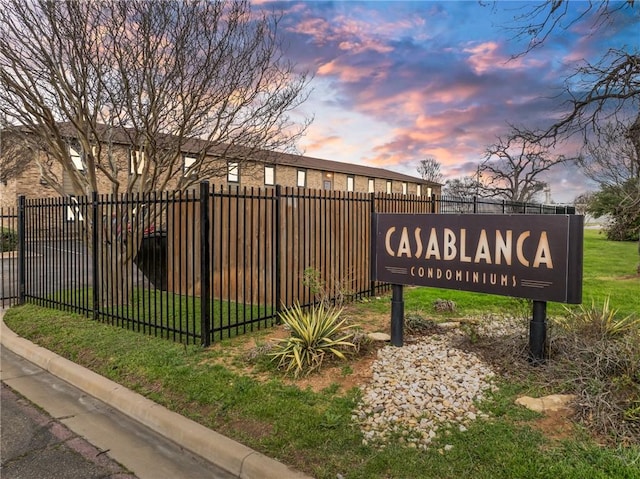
<point x="537" y="257"/>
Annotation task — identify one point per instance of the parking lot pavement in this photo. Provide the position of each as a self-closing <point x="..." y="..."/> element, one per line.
<point x="72" y="435"/>
<point x="34" y="446"/>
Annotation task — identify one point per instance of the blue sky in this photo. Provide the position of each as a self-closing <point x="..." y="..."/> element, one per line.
<point x="395" y="82"/>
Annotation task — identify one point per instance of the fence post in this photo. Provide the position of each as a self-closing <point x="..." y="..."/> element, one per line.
<point x="475" y="204"/>
<point x="21" y="246"/>
<point x="372" y="210"/>
<point x="277" y="225"/>
<point x="94" y="260"/>
<point x="205" y="266"/>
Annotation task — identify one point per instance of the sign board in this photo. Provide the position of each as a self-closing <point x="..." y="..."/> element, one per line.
<point x="537" y="257"/>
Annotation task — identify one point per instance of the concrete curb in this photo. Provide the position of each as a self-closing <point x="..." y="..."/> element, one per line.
<point x="237" y="459"/>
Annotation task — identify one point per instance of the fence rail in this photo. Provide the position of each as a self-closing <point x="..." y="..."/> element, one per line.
<point x="200" y="266"/>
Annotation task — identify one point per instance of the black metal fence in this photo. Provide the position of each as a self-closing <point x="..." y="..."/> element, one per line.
<point x="205" y="265"/>
<point x="9" y="243"/>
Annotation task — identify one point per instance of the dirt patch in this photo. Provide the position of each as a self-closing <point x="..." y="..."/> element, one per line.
<point x="346" y="375"/>
<point x="251" y="428"/>
<point x="556" y="425"/>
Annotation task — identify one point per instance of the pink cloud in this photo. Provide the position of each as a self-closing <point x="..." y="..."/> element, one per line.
<point x="487" y="57"/>
<point x="316" y="141"/>
<point x="349" y="73"/>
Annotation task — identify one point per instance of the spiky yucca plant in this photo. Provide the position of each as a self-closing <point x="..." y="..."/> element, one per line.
<point x="601" y="321"/>
<point x="315" y="334"/>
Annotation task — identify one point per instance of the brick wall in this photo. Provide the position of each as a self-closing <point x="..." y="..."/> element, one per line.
<point x="250" y="175"/>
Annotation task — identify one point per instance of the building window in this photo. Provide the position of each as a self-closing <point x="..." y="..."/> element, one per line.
<point x="269" y="175"/>
<point x="76" y="159"/>
<point x="429" y="192"/>
<point x="302" y="178"/>
<point x="137" y="162"/>
<point x="372" y="185"/>
<point x="232" y="172"/>
<point x="73" y="211"/>
<point x="189" y="161"/>
<point x="389" y="187"/>
<point x="404" y="187"/>
<point x="350" y="183"/>
<point x="418" y="190"/>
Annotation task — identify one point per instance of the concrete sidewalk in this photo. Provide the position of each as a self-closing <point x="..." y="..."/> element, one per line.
<point x="144" y="437"/>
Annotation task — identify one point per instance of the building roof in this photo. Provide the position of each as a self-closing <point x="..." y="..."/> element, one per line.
<point x="123" y="136"/>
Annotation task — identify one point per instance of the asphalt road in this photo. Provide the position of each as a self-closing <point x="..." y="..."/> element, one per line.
<point x="52" y="266"/>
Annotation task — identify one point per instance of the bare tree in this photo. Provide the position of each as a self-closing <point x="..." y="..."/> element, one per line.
<point x="464" y="187"/>
<point x="582" y="202"/>
<point x="538" y="21"/>
<point x="513" y="167"/>
<point x="159" y="75"/>
<point x="612" y="158"/>
<point x="459" y="193"/>
<point x="14" y="155"/>
<point x="599" y="93"/>
<point x="429" y="169"/>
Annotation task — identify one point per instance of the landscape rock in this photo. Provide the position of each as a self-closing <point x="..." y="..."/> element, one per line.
<point x="379" y="336"/>
<point x="551" y="403"/>
<point x="449" y="325"/>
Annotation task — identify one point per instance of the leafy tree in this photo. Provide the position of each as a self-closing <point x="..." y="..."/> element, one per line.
<point x="621" y="203"/>
<point x="429" y="169"/>
<point x="513" y="167"/>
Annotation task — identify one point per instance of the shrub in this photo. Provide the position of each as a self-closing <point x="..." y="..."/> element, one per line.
<point x="315" y="334"/>
<point x="8" y="240"/>
<point x="600" y="353"/>
<point x="444" y="306"/>
<point x="335" y="291"/>
<point x="415" y="323"/>
<point x="598" y="321"/>
<point x="605" y="374"/>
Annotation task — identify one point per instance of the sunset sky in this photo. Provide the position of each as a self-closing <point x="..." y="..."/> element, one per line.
<point x="396" y="82"/>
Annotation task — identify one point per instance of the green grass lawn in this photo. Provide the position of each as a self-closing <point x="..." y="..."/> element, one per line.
<point x="169" y="315"/>
<point x="313" y="431"/>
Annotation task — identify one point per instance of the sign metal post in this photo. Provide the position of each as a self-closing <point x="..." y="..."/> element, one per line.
<point x="538" y="332"/>
<point x="397" y="315"/>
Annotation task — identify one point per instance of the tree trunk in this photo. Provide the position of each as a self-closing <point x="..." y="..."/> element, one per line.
<point x="119" y="240"/>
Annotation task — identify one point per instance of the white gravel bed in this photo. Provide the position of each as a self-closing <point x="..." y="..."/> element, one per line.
<point x="418" y="388"/>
